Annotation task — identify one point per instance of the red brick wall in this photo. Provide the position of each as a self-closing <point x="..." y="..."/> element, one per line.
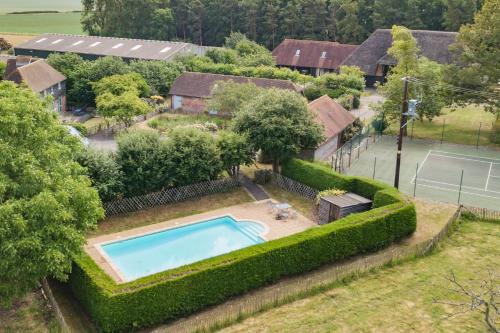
<point x="193" y="104"/>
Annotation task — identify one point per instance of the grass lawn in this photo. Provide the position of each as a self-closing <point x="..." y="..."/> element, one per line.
<point x="30" y="5"/>
<point x="29" y="314"/>
<point x="64" y="22"/>
<point x="461" y="126"/>
<point x="167" y="212"/>
<point x="166" y="122"/>
<point x="395" y="299"/>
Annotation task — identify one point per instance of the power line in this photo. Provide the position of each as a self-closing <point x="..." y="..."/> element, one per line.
<point x="458" y="89"/>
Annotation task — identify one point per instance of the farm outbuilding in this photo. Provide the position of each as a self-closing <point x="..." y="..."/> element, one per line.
<point x="311" y="57"/>
<point x="335" y="119"/>
<point x="190" y="92"/>
<point x="372" y="57"/>
<point x="93" y="47"/>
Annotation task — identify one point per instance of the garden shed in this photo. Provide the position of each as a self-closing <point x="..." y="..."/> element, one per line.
<point x="332" y="208"/>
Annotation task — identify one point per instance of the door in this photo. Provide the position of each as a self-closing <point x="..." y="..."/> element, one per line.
<point x="177" y="102"/>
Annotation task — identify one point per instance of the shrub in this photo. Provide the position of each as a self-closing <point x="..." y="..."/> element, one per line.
<point x="178" y="292"/>
<point x="495" y="134"/>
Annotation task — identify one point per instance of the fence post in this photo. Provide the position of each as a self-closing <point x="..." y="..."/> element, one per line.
<point x="460" y="189"/>
<point x="412" y="125"/>
<point x="374" y="167"/>
<point x="367" y="139"/>
<point x="442" y="132"/>
<point x="350" y="154"/>
<point x="415" y="184"/>
<point x="478" y="134"/>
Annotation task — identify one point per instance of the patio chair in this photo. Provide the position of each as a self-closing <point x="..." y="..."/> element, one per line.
<point x="271" y="207"/>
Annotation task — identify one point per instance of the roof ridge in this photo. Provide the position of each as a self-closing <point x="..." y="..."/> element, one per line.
<point x="248" y="77"/>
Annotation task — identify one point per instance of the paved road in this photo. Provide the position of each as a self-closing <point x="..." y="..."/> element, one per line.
<point x="365" y="111"/>
<point x="102" y="141"/>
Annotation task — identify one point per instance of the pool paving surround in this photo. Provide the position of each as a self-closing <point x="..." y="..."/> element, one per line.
<point x="254" y="211"/>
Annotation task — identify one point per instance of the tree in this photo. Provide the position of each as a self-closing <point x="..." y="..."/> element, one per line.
<point x="234" y="152"/>
<point x="142" y="158"/>
<point x="66" y="63"/>
<point x="458" y="12"/>
<point x="233" y="39"/>
<point x="47" y="203"/>
<point x="121" y="83"/>
<point x="429" y="92"/>
<point x="193" y="156"/>
<point x="123" y="108"/>
<point x="477" y="46"/>
<point x="222" y="55"/>
<point x="158" y="74"/>
<point x="350" y="82"/>
<point x="278" y="123"/>
<point x="104" y="173"/>
<point x="229" y="97"/>
<point x="348" y="27"/>
<point x="4" y="44"/>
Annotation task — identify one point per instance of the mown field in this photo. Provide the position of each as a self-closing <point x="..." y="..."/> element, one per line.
<point x="64" y="22"/>
<point x="7" y="6"/>
<point x="397" y="299"/>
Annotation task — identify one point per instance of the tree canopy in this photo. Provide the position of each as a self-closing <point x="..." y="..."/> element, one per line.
<point x="278" y="123"/>
<point x="47" y="203"/>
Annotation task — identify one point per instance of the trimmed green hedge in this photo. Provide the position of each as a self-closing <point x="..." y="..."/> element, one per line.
<point x="179" y="292"/>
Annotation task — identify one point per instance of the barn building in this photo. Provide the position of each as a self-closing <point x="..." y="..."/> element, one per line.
<point x="311" y="57"/>
<point x="191" y="92"/>
<point x="371" y="56"/>
<point x="92" y="47"/>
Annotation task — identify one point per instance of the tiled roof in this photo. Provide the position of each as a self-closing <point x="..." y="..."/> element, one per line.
<point x="433" y="45"/>
<point x="38" y="75"/>
<point x="109" y="46"/>
<point x="310" y="53"/>
<point x="201" y="84"/>
<point x="333" y="116"/>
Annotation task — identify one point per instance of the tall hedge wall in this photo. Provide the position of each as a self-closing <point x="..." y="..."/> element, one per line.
<point x="175" y="293"/>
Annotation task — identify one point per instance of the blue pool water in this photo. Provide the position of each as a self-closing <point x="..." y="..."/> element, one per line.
<point x="156" y="252"/>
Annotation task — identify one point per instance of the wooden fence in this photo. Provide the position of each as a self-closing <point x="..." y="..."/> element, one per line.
<point x="293" y="186"/>
<point x="169" y="195"/>
<point x="296" y="287"/>
<point x="482" y="213"/>
<point x="47" y="291"/>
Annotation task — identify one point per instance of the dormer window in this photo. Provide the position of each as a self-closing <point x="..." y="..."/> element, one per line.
<point x="297" y="53"/>
<point x="323" y="55"/>
<point x="118" y="45"/>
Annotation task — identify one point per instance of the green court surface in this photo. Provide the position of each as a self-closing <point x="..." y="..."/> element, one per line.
<point x="434" y="170"/>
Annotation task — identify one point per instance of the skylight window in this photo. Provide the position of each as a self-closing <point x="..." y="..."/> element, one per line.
<point x="77" y="43"/>
<point x="41" y="40"/>
<point x="118" y="45"/>
<point x="136" y="47"/>
<point x="95" y="44"/>
<point x="57" y="41"/>
<point x="297" y="53"/>
<point x="323" y="55"/>
<point x="165" y="49"/>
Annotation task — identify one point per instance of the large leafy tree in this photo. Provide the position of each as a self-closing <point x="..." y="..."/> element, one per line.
<point x="122" y="108"/>
<point x="158" y="74"/>
<point x="234" y="152"/>
<point x="229" y="97"/>
<point x="47" y="203"/>
<point x="429" y="92"/>
<point x="479" y="53"/>
<point x="278" y="123"/>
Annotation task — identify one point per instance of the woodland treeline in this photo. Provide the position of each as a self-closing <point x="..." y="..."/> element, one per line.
<point x="207" y="22"/>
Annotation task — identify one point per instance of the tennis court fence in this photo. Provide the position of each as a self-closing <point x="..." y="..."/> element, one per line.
<point x="350" y="151"/>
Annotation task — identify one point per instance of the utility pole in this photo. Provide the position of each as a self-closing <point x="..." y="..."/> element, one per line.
<point x="404" y="111"/>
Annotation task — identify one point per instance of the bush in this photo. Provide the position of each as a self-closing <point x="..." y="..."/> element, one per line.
<point x="495" y="134"/>
<point x="178" y="292"/>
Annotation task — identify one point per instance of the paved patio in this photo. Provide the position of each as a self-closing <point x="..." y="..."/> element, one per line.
<point x="256" y="211"/>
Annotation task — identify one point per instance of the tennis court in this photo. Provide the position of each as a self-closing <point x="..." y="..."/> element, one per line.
<point x="434" y="171"/>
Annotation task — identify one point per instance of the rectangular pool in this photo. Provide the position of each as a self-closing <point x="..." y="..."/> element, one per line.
<point x="156" y="252"/>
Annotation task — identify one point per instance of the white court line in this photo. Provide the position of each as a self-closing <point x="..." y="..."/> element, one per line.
<point x="420" y="167"/>
<point x="455" y="185"/>
<point x="474" y="156"/>
<point x="462" y="158"/>
<point x="455" y="191"/>
<point x="488" y="179"/>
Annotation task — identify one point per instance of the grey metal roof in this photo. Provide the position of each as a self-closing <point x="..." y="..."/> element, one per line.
<point x="110" y="46"/>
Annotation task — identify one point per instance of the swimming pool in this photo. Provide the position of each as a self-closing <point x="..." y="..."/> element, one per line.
<point x="156" y="252"/>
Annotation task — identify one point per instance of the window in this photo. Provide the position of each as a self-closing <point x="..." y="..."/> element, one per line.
<point x="77" y="43"/>
<point x="57" y="41"/>
<point x="41" y="40"/>
<point x="95" y="44"/>
<point x="136" y="47"/>
<point x="323" y="55"/>
<point x="118" y="45"/>
<point x="165" y="49"/>
<point x="297" y="53"/>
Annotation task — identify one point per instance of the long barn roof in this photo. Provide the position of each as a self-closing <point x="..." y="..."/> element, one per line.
<point x="433" y="45"/>
<point x="110" y="46"/>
